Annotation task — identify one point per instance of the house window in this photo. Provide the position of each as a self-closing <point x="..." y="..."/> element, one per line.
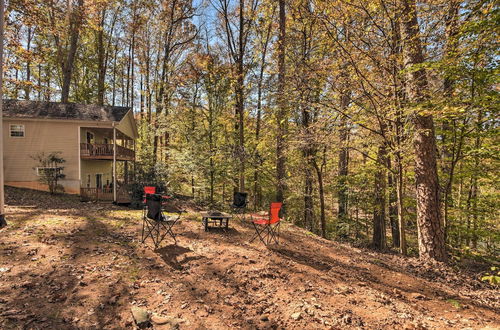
<point x="48" y="171"/>
<point x="17" y="130"/>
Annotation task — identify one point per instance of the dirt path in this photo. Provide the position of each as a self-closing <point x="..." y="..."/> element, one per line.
<point x="70" y="265"/>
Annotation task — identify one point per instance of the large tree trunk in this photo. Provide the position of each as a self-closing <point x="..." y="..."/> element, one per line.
<point x="68" y="63"/>
<point x="258" y="162"/>
<point x="379" y="238"/>
<point x="281" y="113"/>
<point x="430" y="230"/>
<point x="240" y="104"/>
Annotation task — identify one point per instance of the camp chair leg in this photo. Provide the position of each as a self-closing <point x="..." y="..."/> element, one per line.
<point x="263" y="234"/>
<point x="274" y="233"/>
<point x="142" y="233"/>
<point x="257" y="233"/>
<point x="239" y="213"/>
<point x="153" y="231"/>
<point x="148" y="228"/>
<point x="143" y="220"/>
<point x="168" y="231"/>
<point x="254" y="235"/>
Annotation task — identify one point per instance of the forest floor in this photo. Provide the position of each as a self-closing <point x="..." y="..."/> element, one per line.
<point x="71" y="265"/>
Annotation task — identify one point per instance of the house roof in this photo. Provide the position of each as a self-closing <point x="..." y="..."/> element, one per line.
<point x="57" y="110"/>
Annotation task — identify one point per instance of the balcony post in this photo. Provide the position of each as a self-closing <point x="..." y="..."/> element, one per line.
<point x="114" y="163"/>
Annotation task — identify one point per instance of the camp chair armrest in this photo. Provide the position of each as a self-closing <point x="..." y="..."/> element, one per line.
<point x="262" y="221"/>
<point x="261" y="214"/>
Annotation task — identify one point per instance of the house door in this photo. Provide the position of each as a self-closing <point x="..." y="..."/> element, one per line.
<point x="90" y="138"/>
<point x="98" y="181"/>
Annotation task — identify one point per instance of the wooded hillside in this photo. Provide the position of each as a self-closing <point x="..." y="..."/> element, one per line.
<point x="374" y="121"/>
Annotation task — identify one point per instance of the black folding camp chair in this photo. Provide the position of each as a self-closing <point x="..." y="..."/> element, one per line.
<point x="155" y="224"/>
<point x="239" y="206"/>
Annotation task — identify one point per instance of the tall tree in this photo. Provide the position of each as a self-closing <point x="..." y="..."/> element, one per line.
<point x="379" y="230"/>
<point x="281" y="119"/>
<point x="67" y="55"/>
<point x="431" y="235"/>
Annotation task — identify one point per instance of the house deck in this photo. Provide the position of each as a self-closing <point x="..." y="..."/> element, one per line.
<point x="102" y="151"/>
<point x="104" y="194"/>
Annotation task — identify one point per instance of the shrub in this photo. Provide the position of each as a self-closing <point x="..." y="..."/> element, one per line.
<point x="50" y="170"/>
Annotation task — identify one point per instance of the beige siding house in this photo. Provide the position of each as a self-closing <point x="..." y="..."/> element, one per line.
<point x="94" y="141"/>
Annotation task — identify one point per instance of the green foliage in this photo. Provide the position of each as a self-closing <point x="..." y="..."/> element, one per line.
<point x="493" y="278"/>
<point x="49" y="169"/>
<point x="454" y="303"/>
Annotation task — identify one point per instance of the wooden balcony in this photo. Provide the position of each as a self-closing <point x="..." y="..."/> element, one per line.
<point x="105" y="194"/>
<point x="101" y="151"/>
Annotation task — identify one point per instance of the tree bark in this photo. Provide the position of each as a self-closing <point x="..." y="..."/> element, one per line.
<point x="281" y="113"/>
<point x="258" y="162"/>
<point x="100" y="59"/>
<point x="379" y="230"/>
<point x="27" y="88"/>
<point x="448" y="85"/>
<point x="240" y="99"/>
<point x="68" y="63"/>
<point x="430" y="229"/>
<point x="319" y="173"/>
<point x="393" y="207"/>
<point x="343" y="166"/>
<point x="308" y="198"/>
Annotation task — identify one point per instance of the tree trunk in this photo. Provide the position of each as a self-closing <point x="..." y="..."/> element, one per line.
<point x="319" y="173"/>
<point x="100" y="60"/>
<point x="39" y="82"/>
<point x="475" y="175"/>
<point x="430" y="230"/>
<point x="48" y="76"/>
<point x="448" y="86"/>
<point x="240" y="100"/>
<point x="258" y="162"/>
<point x="113" y="98"/>
<point x="400" y="206"/>
<point x="68" y="64"/>
<point x="379" y="238"/>
<point x="393" y="207"/>
<point x="211" y="148"/>
<point x="308" y="199"/>
<point x="343" y="168"/>
<point x="27" y="88"/>
<point x="281" y="113"/>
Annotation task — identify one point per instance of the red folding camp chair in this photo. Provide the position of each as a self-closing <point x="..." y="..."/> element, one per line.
<point x="148" y="190"/>
<point x="267" y="229"/>
<point x="151" y="190"/>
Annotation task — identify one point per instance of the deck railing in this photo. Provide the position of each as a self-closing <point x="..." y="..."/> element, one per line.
<point x="104" y="194"/>
<point x="102" y="150"/>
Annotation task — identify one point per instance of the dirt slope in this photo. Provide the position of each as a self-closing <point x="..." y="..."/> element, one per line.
<point x="71" y="265"/>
